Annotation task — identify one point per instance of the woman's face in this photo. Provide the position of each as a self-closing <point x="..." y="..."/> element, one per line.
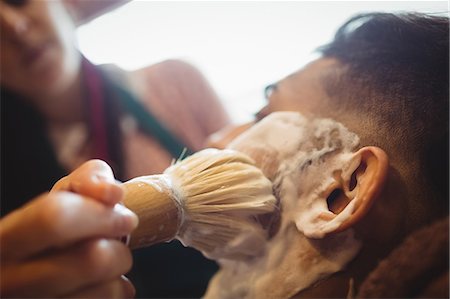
<point x="38" y="53"/>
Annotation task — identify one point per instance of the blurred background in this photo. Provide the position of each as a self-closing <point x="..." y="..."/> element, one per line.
<point x="240" y="46"/>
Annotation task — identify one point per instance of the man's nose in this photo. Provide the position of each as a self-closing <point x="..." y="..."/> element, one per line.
<point x="222" y="138"/>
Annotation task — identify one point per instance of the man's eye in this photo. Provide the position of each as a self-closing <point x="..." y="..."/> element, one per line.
<point x="269" y="89"/>
<point x="16" y="3"/>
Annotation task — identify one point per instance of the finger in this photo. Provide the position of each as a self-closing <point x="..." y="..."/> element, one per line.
<point x="94" y="179"/>
<point x="62" y="184"/>
<point x="59" y="219"/>
<point x="82" y="266"/>
<point x="118" y="288"/>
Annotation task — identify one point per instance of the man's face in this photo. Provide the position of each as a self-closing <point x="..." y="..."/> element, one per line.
<point x="302" y="91"/>
<point x="300" y="152"/>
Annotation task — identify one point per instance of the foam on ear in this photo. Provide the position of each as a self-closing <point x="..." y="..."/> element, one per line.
<point x="313" y="217"/>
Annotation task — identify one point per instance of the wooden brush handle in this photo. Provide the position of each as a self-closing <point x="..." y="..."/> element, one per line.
<point x="152" y="200"/>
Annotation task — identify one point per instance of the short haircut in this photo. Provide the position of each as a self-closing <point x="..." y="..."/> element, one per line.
<point x="396" y="74"/>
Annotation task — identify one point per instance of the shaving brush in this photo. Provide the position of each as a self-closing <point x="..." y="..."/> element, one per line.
<point x="209" y="201"/>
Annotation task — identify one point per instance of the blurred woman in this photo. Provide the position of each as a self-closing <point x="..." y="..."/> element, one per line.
<point x="59" y="110"/>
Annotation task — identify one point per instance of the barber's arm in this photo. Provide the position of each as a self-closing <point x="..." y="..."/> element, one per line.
<point x="64" y="243"/>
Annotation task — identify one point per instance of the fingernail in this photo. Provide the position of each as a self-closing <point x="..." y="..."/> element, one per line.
<point x="128" y="220"/>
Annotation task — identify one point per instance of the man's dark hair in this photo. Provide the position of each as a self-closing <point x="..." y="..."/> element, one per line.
<point x="396" y="75"/>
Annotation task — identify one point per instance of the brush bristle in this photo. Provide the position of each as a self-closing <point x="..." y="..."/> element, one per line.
<point x="222" y="192"/>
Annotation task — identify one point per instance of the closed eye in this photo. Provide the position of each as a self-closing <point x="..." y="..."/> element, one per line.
<point x="269" y="89"/>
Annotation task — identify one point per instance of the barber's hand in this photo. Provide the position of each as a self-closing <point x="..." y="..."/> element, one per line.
<point x="62" y="244"/>
<point x="93" y="179"/>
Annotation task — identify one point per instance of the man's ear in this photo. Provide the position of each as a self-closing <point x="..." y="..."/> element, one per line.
<point x="356" y="187"/>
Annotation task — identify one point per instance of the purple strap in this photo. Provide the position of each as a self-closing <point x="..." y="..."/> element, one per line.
<point x="96" y="109"/>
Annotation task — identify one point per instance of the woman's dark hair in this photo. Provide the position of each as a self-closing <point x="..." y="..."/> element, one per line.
<point x="396" y="73"/>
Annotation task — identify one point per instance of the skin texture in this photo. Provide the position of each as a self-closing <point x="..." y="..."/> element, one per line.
<point x="64" y="244"/>
<point x="304" y="92"/>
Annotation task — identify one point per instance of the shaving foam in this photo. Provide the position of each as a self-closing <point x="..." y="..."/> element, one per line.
<point x="300" y="156"/>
